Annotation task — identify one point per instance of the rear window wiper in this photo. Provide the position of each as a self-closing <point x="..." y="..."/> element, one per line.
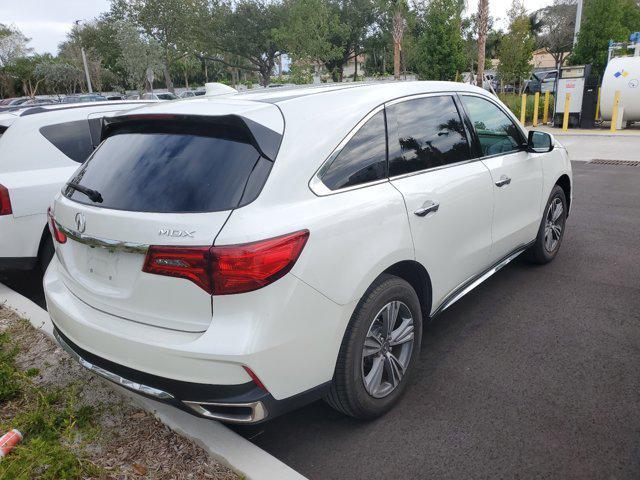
<point x="93" y="195"/>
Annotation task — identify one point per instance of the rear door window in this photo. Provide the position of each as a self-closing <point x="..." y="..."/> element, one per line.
<point x="71" y="138"/>
<point x="363" y="159"/>
<point x="172" y="172"/>
<point x="425" y="133"/>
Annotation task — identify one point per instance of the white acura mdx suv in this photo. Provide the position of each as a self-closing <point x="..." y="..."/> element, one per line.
<point x="239" y="256"/>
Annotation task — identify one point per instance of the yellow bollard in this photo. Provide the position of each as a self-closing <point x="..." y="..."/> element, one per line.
<point x="457" y="74"/>
<point x="565" y="120"/>
<point x="536" y="100"/>
<point x="598" y="105"/>
<point x="614" y="112"/>
<point x="523" y="109"/>
<point x="545" y="112"/>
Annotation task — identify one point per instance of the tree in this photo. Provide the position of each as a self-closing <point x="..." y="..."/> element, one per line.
<point x="470" y="37"/>
<point x="330" y="32"/>
<point x="171" y="23"/>
<point x="441" y="48"/>
<point x="399" y="26"/>
<point x="557" y="22"/>
<point x="483" y="26"/>
<point x="59" y="76"/>
<point x="517" y="47"/>
<point x="138" y="53"/>
<point x="13" y="44"/>
<point x="99" y="39"/>
<point x="604" y="20"/>
<point x="23" y="70"/>
<point x="245" y="35"/>
<point x="187" y="67"/>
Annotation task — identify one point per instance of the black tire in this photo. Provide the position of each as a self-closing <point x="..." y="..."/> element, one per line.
<point x="47" y="251"/>
<point x="348" y="393"/>
<point x="540" y="252"/>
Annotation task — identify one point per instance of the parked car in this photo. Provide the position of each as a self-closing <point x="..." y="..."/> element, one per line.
<point x="13" y="101"/>
<point x="191" y="93"/>
<point x="209" y="257"/>
<point x="89" y="97"/>
<point x="40" y="147"/>
<point x="542" y="82"/>
<point x="159" y="96"/>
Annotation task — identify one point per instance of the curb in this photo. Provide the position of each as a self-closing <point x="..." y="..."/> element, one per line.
<point x="220" y="442"/>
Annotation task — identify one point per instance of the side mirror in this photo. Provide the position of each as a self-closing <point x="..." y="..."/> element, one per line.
<point x="540" y="142"/>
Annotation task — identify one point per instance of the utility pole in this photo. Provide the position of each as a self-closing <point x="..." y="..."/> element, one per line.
<point x="84" y="61"/>
<point x="576" y="30"/>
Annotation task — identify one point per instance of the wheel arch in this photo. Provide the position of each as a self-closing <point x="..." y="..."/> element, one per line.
<point x="417" y="276"/>
<point x="565" y="183"/>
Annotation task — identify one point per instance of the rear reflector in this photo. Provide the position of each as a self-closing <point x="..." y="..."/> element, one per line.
<point x="229" y="269"/>
<point x="53" y="228"/>
<point x="255" y="378"/>
<point x="5" y="201"/>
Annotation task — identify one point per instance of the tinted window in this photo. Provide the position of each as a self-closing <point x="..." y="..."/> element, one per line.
<point x="425" y="133"/>
<point x="363" y="159"/>
<point x="496" y="132"/>
<point x="163" y="172"/>
<point x="71" y="138"/>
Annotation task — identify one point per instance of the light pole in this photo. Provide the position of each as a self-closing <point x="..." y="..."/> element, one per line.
<point x="84" y="61"/>
<point x="576" y="30"/>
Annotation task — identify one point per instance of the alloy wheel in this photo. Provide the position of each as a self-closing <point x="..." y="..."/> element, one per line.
<point x="387" y="349"/>
<point x="554" y="224"/>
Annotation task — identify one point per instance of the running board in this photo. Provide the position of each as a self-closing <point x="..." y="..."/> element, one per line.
<point x="472" y="283"/>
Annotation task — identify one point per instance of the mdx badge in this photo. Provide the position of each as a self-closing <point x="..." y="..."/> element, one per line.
<point x="168" y="232"/>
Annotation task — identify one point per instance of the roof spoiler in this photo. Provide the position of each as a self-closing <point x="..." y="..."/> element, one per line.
<point x="236" y="127"/>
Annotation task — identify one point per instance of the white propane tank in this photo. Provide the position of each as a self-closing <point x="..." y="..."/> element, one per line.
<point x="622" y="73"/>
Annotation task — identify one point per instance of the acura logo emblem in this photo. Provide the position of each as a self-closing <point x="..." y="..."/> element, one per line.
<point x="81" y="223"/>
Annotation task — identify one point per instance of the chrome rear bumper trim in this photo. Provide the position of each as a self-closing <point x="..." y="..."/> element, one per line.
<point x="258" y="411"/>
<point x="136" y="387"/>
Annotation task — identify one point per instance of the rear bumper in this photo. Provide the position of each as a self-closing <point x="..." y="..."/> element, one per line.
<point x="243" y="404"/>
<point x="287" y="333"/>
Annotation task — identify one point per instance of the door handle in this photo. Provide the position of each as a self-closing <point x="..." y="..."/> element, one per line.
<point x="427" y="208"/>
<point x="504" y="180"/>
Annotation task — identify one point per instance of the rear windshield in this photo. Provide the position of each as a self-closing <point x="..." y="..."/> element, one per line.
<point x="172" y="173"/>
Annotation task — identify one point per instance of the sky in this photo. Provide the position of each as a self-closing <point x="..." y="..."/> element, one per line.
<point x="47" y="22"/>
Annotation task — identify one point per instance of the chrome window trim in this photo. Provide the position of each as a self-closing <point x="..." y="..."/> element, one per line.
<point x="321" y="190"/>
<point x="111" y="245"/>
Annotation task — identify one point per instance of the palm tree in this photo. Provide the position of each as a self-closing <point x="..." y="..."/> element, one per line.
<point x="483" y="23"/>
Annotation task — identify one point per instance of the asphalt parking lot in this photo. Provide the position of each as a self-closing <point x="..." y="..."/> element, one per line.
<point x="535" y="374"/>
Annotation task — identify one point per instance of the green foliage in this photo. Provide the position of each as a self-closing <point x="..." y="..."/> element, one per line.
<point x="516" y="47"/>
<point x="9" y="377"/>
<point x="440" y="45"/>
<point x="139" y="53"/>
<point x="299" y="75"/>
<point x="604" y="20"/>
<point x="52" y="421"/>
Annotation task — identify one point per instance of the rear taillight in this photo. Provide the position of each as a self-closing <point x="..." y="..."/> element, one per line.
<point x="229" y="269"/>
<point x="53" y="228"/>
<point x="5" y="201"/>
